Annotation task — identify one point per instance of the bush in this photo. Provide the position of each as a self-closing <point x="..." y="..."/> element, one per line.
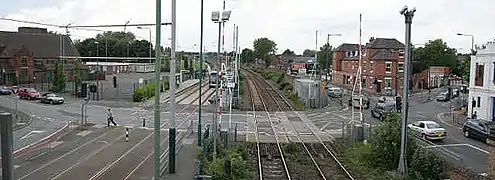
<point x="147" y="91"/>
<point x="426" y="165"/>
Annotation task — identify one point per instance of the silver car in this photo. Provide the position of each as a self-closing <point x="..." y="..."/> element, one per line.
<point x="443" y="96"/>
<point x="335" y="92"/>
<point x="51" y="98"/>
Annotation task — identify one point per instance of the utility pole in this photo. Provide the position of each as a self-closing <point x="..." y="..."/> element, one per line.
<point x="408" y="15"/>
<point x="171" y="136"/>
<point x="158" y="52"/>
<point x="200" y="74"/>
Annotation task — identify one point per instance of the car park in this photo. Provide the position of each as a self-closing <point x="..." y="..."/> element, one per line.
<point x="51" y="98"/>
<point x="428" y="130"/>
<point x="5" y="90"/>
<point x="479" y="129"/>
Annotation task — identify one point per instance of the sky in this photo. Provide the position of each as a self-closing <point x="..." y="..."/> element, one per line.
<point x="291" y="24"/>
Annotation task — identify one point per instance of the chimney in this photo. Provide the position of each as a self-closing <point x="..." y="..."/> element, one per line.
<point x="372" y="39"/>
<point x="33" y="30"/>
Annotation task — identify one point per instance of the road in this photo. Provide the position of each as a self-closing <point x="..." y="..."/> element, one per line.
<point x="455" y="148"/>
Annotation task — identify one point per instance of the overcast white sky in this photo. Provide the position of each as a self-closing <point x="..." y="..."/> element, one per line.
<point x="290" y="23"/>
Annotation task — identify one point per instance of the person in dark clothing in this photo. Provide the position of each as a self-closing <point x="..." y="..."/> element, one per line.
<point x="110" y="118"/>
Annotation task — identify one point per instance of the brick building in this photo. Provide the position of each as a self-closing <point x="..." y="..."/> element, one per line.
<point x="382" y="65"/>
<point x="29" y="55"/>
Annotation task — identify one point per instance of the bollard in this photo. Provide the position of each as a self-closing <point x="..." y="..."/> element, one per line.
<point x="144" y="123"/>
<point x="126" y="134"/>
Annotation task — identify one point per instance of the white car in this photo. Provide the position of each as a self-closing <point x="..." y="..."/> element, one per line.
<point x="428" y="130"/>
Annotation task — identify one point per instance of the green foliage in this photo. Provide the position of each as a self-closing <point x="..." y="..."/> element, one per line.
<point x="238" y="155"/>
<point x="247" y="56"/>
<point x="264" y="48"/>
<point x="382" y="154"/>
<point x="147" y="91"/>
<point x="58" y="78"/>
<point x="385" y="144"/>
<point x="116" y="44"/>
<point x="426" y="165"/>
<point x="325" y="56"/>
<point x="288" y="52"/>
<point x="434" y="53"/>
<point x="284" y="85"/>
<point x="308" y="53"/>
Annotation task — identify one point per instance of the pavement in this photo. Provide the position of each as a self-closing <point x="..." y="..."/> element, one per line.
<point x="47" y="119"/>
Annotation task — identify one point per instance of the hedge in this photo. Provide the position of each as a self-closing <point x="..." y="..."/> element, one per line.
<point x="143" y="93"/>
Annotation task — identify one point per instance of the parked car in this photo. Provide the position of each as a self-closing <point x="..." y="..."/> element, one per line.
<point x="382" y="110"/>
<point x="443" y="96"/>
<point x="428" y="130"/>
<point x="479" y="129"/>
<point x="28" y="93"/>
<point x="354" y="101"/>
<point x="335" y="92"/>
<point x="51" y="98"/>
<point x="383" y="99"/>
<point x="5" y="90"/>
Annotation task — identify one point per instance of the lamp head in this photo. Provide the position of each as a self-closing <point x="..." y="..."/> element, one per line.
<point x="215" y="16"/>
<point x="226" y="15"/>
<point x="403" y="10"/>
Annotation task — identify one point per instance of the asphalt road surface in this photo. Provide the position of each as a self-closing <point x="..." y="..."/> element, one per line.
<point x="466" y="152"/>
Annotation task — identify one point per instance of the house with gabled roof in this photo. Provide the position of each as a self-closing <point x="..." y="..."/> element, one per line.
<point x="382" y="65"/>
<point x="29" y="55"/>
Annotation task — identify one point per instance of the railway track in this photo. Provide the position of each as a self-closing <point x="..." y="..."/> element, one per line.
<point x="271" y="160"/>
<point x="318" y="153"/>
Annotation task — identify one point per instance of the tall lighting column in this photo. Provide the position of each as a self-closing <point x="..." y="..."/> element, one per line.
<point x="408" y="15"/>
<point x="171" y="136"/>
<point x="200" y="74"/>
<point x="158" y="27"/>
<point x="151" y="46"/>
<point x="215" y="17"/>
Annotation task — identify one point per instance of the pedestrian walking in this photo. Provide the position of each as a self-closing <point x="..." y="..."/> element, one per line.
<point x="110" y="118"/>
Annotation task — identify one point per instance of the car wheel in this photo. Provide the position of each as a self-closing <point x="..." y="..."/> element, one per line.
<point x="380" y="117"/>
<point x="423" y="136"/>
<point x="466" y="134"/>
<point x="51" y="102"/>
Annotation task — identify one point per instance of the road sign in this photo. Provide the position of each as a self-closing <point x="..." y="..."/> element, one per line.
<point x="140" y="80"/>
<point x="230" y="85"/>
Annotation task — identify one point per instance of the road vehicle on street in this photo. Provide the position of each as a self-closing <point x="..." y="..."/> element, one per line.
<point x="382" y="110"/>
<point x="28" y="93"/>
<point x="354" y="101"/>
<point x="428" y="130"/>
<point x="335" y="92"/>
<point x="5" y="90"/>
<point x="443" y="96"/>
<point x="51" y="98"/>
<point x="383" y="99"/>
<point x="479" y="129"/>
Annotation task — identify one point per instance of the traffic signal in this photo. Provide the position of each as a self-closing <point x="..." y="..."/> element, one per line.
<point x="92" y="88"/>
<point x="398" y="103"/>
<point x="114" y="81"/>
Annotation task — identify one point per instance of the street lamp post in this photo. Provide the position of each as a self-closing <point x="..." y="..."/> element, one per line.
<point x="157" y="152"/>
<point x="472" y="41"/>
<point x="171" y="136"/>
<point x="151" y="46"/>
<point x="215" y="17"/>
<point x="408" y="15"/>
<point x="97" y="72"/>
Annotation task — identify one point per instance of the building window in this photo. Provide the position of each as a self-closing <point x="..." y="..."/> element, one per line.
<point x="493" y="71"/>
<point x="388" y="67"/>
<point x="400" y="67"/>
<point x="388" y="82"/>
<point x="363" y="81"/>
<point x="401" y="53"/>
<point x="24" y="61"/>
<point x="478" y="79"/>
<point x="478" y="102"/>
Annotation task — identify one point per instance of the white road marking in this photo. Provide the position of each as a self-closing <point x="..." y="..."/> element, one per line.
<point x="445" y="145"/>
<point x="477" y="148"/>
<point x="84" y="133"/>
<point x="55" y="144"/>
<point x="30" y="134"/>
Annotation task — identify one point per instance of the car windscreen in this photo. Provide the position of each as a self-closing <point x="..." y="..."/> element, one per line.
<point x="51" y="95"/>
<point x="433" y="125"/>
<point x="32" y="91"/>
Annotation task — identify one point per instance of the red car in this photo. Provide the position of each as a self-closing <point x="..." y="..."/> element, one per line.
<point x="28" y="93"/>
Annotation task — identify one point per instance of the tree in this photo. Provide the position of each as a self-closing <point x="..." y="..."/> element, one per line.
<point x="264" y="48"/>
<point x="325" y="56"/>
<point x="76" y="71"/>
<point x="288" y="52"/>
<point x="58" y="78"/>
<point x="434" y="53"/>
<point x="114" y="44"/>
<point x="309" y="53"/>
<point x="247" y="56"/>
